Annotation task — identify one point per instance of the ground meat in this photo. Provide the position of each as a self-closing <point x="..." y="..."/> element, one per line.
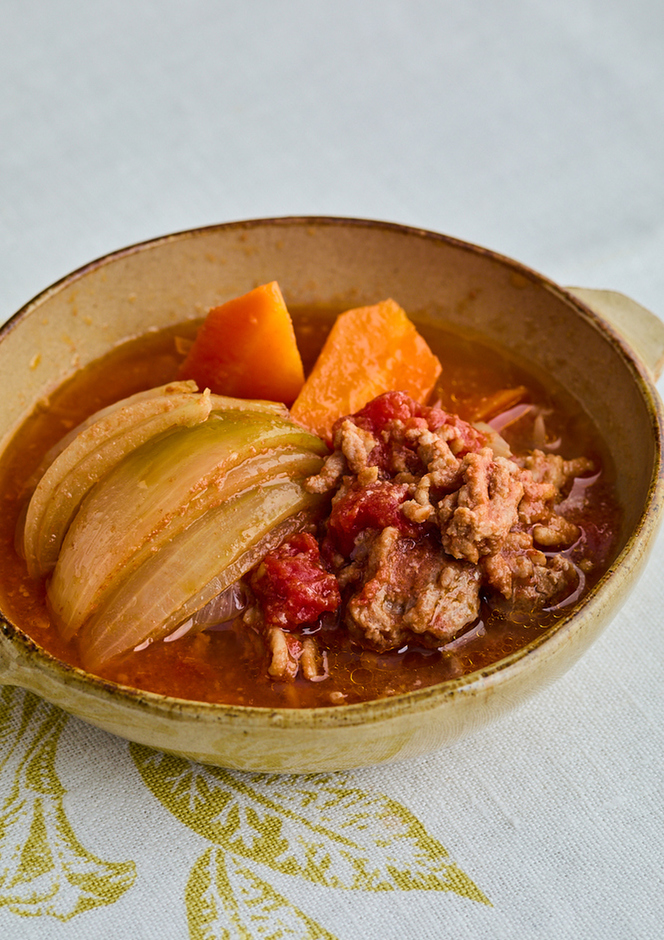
<point x="420" y="509"/>
<point x="477" y="517"/>
<point x="554" y="469"/>
<point x="538" y="500"/>
<point x="411" y="589"/>
<point x="443" y="467"/>
<point x="313" y="661"/>
<point x="390" y="419"/>
<point x="285" y="651"/>
<point x="355" y="444"/>
<point x="290" y="656"/>
<point x="330" y="475"/>
<point x="429" y="518"/>
<point x="527" y="578"/>
<point x="556" y="532"/>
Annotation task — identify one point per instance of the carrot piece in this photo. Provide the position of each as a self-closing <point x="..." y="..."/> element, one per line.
<point x="246" y="348"/>
<point x="489" y="406"/>
<point x="370" y="350"/>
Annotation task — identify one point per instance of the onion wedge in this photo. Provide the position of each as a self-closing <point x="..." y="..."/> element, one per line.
<point x="87" y="458"/>
<point x="205" y="559"/>
<point x="187" y="386"/>
<point x="173" y="388"/>
<point x="156" y="490"/>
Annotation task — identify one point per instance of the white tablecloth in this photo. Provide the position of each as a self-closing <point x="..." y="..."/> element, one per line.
<point x="534" y="128"/>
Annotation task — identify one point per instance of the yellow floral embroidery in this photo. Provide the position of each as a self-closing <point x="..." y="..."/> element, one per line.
<point x="44" y="869"/>
<point x="314" y="827"/>
<point x="227" y="900"/>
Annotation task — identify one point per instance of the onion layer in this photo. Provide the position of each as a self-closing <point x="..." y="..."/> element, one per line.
<point x="189" y="571"/>
<point x="95" y="450"/>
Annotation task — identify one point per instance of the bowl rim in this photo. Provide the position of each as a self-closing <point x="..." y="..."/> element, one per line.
<point x="632" y="554"/>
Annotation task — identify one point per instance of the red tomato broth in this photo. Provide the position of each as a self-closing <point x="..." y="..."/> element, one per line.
<point x="228" y="664"/>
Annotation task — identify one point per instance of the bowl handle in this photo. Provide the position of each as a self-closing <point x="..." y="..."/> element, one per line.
<point x="639" y="327"/>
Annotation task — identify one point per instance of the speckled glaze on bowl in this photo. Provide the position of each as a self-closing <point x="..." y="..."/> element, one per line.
<point x="602" y="346"/>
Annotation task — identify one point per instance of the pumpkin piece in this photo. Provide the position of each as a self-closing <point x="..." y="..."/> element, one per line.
<point x="246" y="348"/>
<point x="369" y="350"/>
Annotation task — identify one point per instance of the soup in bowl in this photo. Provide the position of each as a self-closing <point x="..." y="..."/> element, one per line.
<point x="335" y="573"/>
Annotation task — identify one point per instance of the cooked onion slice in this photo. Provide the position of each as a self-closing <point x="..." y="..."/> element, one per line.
<point x="86" y="459"/>
<point x="219" y="402"/>
<point x="201" y="562"/>
<point x="223" y="608"/>
<point x="173" y="388"/>
<point x="160" y="488"/>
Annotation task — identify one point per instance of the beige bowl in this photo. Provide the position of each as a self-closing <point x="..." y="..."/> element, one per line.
<point x="576" y="335"/>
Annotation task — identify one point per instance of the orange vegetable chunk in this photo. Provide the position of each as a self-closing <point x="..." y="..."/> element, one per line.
<point x="246" y="348"/>
<point x="369" y="350"/>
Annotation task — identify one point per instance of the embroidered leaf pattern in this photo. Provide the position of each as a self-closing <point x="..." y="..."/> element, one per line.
<point x="225" y="899"/>
<point x="317" y="827"/>
<point x="44" y="869"/>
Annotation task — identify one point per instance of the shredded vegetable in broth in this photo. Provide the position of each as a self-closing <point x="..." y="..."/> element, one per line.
<point x="406" y="542"/>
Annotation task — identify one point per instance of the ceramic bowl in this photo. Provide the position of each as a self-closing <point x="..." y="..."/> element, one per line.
<point x="602" y="346"/>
